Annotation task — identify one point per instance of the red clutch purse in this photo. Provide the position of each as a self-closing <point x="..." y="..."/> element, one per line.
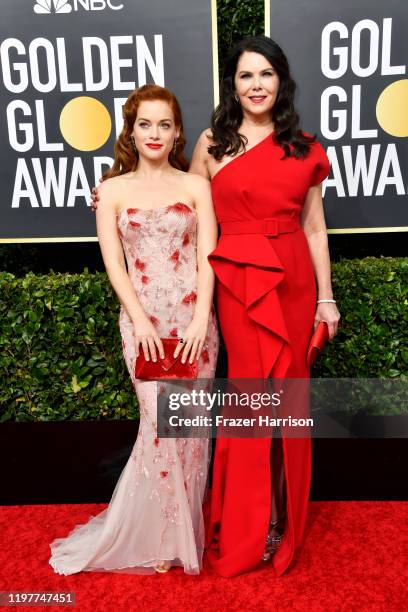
<point x="317" y="342"/>
<point x="167" y="368"/>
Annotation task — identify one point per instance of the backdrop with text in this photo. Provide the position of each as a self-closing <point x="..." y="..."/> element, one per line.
<point x="67" y="67"/>
<point x="349" y="62"/>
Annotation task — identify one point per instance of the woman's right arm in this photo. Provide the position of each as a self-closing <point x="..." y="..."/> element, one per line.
<point x="114" y="260"/>
<point x="199" y="161"/>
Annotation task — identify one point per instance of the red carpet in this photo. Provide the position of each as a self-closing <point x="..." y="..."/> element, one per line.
<point x="354" y="558"/>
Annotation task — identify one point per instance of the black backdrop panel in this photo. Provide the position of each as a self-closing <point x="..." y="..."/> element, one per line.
<point x="64" y="77"/>
<point x="349" y="61"/>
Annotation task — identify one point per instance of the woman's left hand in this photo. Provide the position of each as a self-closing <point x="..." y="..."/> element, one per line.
<point x="194" y="338"/>
<point x="328" y="312"/>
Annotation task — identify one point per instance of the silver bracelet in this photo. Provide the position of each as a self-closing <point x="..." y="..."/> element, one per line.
<point x="326" y="301"/>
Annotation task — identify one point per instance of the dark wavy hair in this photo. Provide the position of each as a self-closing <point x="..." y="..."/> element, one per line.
<point x="126" y="159"/>
<point x="227" y="117"/>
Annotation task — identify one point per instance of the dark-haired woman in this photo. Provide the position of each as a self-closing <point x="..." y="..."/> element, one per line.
<point x="266" y="179"/>
<point x="158" y="220"/>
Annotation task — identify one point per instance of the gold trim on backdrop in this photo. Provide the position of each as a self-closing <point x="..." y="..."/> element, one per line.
<point x="75" y="239"/>
<point x="267" y="10"/>
<point x="342" y="230"/>
<point x="367" y="230"/>
<point x="214" y="31"/>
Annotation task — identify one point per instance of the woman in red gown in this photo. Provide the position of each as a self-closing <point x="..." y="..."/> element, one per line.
<point x="265" y="175"/>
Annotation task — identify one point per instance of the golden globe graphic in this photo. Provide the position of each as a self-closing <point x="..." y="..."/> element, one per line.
<point x="392" y="109"/>
<point x="85" y="123"/>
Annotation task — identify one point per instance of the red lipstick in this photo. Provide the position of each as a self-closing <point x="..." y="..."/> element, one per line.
<point x="257" y="99"/>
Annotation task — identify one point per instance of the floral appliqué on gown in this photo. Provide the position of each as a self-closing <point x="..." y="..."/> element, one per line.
<point x="155" y="512"/>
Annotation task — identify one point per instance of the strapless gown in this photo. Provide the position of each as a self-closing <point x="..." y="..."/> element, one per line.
<point x="266" y="299"/>
<point x="155" y="512"/>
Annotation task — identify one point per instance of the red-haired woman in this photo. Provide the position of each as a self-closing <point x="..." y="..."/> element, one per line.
<point x="163" y="220"/>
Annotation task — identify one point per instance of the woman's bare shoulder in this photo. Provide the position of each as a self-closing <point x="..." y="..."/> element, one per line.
<point x="197" y="186"/>
<point x="121" y="181"/>
<point x="111" y="190"/>
<point x="196" y="181"/>
<point x="109" y="185"/>
<point x="206" y="138"/>
<point x="201" y="156"/>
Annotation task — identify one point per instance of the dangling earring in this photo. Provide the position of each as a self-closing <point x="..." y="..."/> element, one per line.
<point x="175" y="146"/>
<point x="236" y="98"/>
<point x="133" y="145"/>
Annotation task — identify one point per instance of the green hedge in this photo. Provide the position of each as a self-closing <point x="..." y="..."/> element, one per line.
<point x="372" y="340"/>
<point x="61" y="355"/>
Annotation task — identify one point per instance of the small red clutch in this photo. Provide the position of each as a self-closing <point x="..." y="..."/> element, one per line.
<point x="317" y="342"/>
<point x="169" y="367"/>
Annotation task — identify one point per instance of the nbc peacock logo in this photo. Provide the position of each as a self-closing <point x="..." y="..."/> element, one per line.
<point x="44" y="7"/>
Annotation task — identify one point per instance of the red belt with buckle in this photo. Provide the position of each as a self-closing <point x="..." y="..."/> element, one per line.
<point x="268" y="227"/>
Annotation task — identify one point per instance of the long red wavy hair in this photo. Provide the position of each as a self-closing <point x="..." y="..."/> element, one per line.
<point x="126" y="158"/>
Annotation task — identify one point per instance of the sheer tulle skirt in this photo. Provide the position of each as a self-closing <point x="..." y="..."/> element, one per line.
<point x="155" y="513"/>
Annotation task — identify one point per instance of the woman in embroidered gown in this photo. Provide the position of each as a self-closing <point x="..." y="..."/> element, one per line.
<point x="163" y="220"/>
<point x="266" y="184"/>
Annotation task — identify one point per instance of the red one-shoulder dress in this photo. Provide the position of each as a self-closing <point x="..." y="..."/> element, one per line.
<point x="266" y="299"/>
